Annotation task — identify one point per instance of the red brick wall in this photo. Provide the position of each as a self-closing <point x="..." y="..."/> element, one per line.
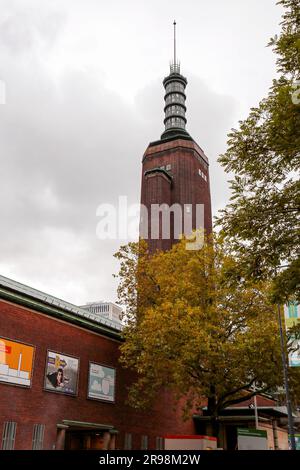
<point x="158" y="189"/>
<point x="36" y="406"/>
<point x="188" y="187"/>
<point x="261" y="401"/>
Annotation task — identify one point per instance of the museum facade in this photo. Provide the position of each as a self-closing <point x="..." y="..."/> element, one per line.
<point x="61" y="384"/>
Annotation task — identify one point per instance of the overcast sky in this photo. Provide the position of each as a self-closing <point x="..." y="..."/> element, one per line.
<point x="84" y="98"/>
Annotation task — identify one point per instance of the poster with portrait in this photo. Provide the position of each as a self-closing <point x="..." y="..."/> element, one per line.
<point x="16" y="362"/>
<point x="61" y="373"/>
<point x="101" y="384"/>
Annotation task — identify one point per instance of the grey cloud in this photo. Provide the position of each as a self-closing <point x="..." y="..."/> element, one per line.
<point x="69" y="143"/>
<point x="67" y="148"/>
<point x="24" y="27"/>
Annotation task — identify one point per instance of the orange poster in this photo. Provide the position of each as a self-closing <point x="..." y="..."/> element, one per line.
<point x="16" y="362"/>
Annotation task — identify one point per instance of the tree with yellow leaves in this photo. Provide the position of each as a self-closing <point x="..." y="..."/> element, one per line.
<point x="195" y="326"/>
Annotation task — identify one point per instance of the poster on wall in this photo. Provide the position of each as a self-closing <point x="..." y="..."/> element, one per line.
<point x="101" y="384"/>
<point x="292" y="318"/>
<point x="297" y="440"/>
<point x="16" y="362"/>
<point x="61" y="373"/>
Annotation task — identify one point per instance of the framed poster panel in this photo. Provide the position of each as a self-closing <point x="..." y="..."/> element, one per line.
<point x="61" y="373"/>
<point x="101" y="382"/>
<point x="292" y="318"/>
<point x="16" y="362"/>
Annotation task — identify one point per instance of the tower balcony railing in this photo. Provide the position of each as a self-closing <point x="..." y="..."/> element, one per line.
<point x="174" y="87"/>
<point x="175" y="67"/>
<point x="175" y="111"/>
<point x="175" y="98"/>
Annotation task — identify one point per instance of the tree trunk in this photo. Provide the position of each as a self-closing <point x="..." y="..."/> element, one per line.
<point x="213" y="428"/>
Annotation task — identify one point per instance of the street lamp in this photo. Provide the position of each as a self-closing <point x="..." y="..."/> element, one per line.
<point x="285" y="377"/>
<point x="286" y="384"/>
<point x="254" y="406"/>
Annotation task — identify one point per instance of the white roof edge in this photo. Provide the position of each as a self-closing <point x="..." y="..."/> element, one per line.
<point x="54" y="301"/>
<point x="100" y="302"/>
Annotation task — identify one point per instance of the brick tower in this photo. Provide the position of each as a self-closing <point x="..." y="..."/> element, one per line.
<point x="174" y="174"/>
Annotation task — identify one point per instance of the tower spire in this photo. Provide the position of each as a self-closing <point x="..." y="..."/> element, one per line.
<point x="174" y="66"/>
<point x="174" y="41"/>
<point x="175" y="108"/>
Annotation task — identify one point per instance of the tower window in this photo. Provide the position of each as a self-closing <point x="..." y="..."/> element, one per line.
<point x="202" y="175"/>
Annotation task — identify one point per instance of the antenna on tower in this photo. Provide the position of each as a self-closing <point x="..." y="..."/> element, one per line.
<point x="175" y="66"/>
<point x="174" y="41"/>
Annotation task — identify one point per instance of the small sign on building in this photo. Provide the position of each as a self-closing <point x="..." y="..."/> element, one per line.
<point x="252" y="439"/>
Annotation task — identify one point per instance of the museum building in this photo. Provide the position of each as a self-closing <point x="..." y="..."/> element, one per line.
<point x="61" y="385"/>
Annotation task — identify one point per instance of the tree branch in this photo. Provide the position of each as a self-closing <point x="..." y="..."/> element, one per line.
<point x="239" y="389"/>
<point x="244" y="398"/>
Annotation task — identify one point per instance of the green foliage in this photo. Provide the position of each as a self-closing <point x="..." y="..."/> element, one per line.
<point x="287" y="46"/>
<point x="262" y="220"/>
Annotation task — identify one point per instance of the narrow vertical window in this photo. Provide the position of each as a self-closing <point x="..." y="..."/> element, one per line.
<point x="9" y="435"/>
<point x="38" y="436"/>
<point x="128" y="441"/>
<point x="159" y="444"/>
<point x="144" y="443"/>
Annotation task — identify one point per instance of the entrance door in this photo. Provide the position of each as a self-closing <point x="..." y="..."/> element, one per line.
<point x="231" y="437"/>
<point x="86" y="440"/>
